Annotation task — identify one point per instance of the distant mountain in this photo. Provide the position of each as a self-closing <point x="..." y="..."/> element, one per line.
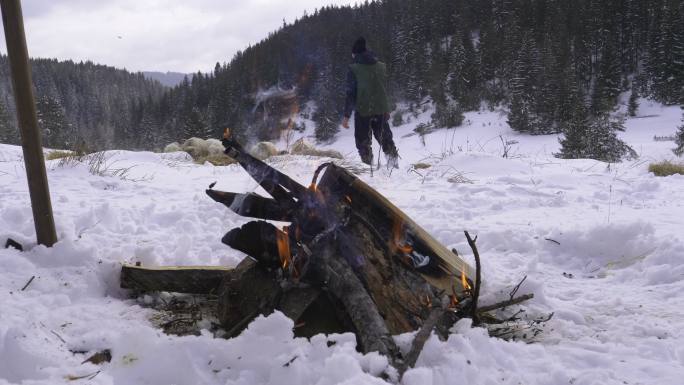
<point x="169" y="79"/>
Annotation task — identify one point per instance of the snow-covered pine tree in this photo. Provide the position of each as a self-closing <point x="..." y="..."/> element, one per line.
<point x="8" y="132"/>
<point x="52" y="122"/>
<point x="602" y="141"/>
<point x="633" y="104"/>
<point x="574" y="140"/>
<point x="607" y="85"/>
<point x="521" y="116"/>
<point x="679" y="140"/>
<point x="327" y="95"/>
<point x="447" y="114"/>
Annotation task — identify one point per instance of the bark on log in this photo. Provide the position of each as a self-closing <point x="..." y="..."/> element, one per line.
<point x="252" y="290"/>
<point x="443" y="267"/>
<point x="337" y="276"/>
<point x="181" y="279"/>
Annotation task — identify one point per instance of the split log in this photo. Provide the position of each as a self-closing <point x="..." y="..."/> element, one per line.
<point x="252" y="290"/>
<point x="441" y="269"/>
<point x="181" y="279"/>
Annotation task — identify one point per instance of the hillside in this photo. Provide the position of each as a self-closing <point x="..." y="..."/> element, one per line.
<point x="81" y="104"/>
<point x="539" y="59"/>
<point x="612" y="276"/>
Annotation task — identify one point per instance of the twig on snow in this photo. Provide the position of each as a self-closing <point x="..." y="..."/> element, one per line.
<point x="28" y="283"/>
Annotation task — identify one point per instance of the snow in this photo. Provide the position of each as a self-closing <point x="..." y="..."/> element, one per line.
<point x="599" y="243"/>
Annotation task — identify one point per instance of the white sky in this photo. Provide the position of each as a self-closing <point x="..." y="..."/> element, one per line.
<point x="154" y="35"/>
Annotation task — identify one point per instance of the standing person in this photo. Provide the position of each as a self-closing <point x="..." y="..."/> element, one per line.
<point x="366" y="96"/>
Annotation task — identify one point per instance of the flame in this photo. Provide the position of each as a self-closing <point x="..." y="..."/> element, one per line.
<point x="348" y="198"/>
<point x="226" y="133"/>
<point x="453" y="301"/>
<point x="464" y="282"/>
<point x="283" y="242"/>
<point x="398" y="239"/>
<point x="428" y="301"/>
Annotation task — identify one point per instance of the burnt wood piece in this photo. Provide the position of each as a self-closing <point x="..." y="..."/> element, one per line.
<point x="337" y="276"/>
<point x="441" y="268"/>
<point x="251" y="205"/>
<point x="181" y="279"/>
<point x="256" y="239"/>
<point x="251" y="290"/>
<point x="270" y="179"/>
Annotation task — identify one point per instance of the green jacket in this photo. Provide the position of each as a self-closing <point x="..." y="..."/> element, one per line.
<point x="369" y="76"/>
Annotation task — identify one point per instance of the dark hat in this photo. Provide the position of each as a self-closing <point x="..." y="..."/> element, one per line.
<point x="359" y="46"/>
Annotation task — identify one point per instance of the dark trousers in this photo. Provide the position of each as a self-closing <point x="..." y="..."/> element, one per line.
<point x="379" y="127"/>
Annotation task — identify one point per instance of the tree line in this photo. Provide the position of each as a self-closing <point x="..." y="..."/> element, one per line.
<point x="80" y="104"/>
<point x="556" y="65"/>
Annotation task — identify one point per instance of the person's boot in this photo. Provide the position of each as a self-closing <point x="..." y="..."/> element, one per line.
<point x="392" y="159"/>
<point x="367" y="158"/>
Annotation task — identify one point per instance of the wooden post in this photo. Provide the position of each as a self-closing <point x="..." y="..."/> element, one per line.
<point x="17" y="52"/>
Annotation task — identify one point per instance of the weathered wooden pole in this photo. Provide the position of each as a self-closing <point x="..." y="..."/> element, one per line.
<point x="20" y="69"/>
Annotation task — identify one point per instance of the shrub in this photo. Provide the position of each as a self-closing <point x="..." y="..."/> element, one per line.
<point x="59" y="154"/>
<point x="449" y="115"/>
<point x="397" y="119"/>
<point x="666" y="168"/>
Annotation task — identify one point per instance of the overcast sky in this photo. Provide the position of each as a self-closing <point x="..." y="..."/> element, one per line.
<point x="154" y="35"/>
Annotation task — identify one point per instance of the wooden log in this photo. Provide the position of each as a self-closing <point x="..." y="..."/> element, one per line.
<point x="442" y="269"/>
<point x="181" y="279"/>
<point x="251" y="290"/>
<point x="337" y="276"/>
<point x="251" y="205"/>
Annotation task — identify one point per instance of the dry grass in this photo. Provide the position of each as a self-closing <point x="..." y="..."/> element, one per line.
<point x="216" y="160"/>
<point x="59" y="154"/>
<point x="666" y="168"/>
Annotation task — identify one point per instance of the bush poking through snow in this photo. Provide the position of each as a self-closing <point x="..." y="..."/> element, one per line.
<point x="448" y="115"/>
<point x="398" y="118"/>
<point x="59" y="154"/>
<point x="201" y="151"/>
<point x="666" y="168"/>
<point x="594" y="138"/>
<point x="302" y="147"/>
<point x="679" y="140"/>
<point x="263" y="150"/>
<point x="173" y="147"/>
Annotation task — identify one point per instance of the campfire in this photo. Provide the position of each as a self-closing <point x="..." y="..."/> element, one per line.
<point x="347" y="261"/>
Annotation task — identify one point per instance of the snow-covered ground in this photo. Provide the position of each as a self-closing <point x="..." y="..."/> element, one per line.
<point x="600" y="245"/>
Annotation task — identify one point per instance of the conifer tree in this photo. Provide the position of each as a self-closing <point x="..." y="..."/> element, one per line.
<point x="8" y="133"/>
<point x="602" y="142"/>
<point x="633" y="103"/>
<point x="679" y="140"/>
<point x="574" y="140"/>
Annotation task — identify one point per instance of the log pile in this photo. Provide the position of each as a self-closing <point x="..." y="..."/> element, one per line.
<point x="349" y="260"/>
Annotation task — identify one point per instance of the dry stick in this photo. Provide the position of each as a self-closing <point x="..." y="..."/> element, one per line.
<point x="28" y="283"/>
<point x="516" y="288"/>
<point x="420" y="339"/>
<point x="499" y="305"/>
<point x="476" y="291"/>
<point x="552" y="240"/>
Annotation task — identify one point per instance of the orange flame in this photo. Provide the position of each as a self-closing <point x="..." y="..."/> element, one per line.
<point x="464" y="282"/>
<point x="398" y="239"/>
<point x="453" y="301"/>
<point x="428" y="301"/>
<point x="283" y="242"/>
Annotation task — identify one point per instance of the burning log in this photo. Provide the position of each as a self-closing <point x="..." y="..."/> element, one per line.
<point x="346" y="239"/>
